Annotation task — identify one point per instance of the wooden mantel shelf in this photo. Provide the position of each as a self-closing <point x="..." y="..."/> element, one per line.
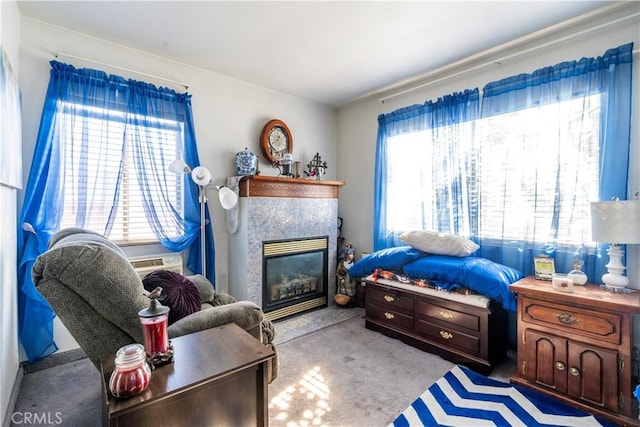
<point x="272" y="186"/>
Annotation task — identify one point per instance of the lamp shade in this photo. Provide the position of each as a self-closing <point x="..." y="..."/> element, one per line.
<point x="179" y="166"/>
<point x="201" y="175"/>
<point x="228" y="198"/>
<point x="616" y="221"/>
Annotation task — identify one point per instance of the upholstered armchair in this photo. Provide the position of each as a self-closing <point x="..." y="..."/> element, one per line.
<point x="97" y="294"/>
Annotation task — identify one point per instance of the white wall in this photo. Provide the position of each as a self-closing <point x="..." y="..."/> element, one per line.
<point x="9" y="347"/>
<point x="357" y="122"/>
<point x="228" y="114"/>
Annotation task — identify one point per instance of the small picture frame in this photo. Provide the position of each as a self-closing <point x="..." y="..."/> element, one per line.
<point x="544" y="267"/>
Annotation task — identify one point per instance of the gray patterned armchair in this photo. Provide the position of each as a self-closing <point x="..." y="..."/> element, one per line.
<point x="97" y="294"/>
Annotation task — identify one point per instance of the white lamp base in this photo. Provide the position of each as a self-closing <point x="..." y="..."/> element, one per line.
<point x="615" y="278"/>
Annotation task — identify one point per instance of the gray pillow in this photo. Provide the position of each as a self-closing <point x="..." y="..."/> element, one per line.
<point x="207" y="293"/>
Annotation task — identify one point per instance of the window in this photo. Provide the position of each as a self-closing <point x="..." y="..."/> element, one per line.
<point x="517" y="171"/>
<point x="537" y="162"/>
<point x="102" y="141"/>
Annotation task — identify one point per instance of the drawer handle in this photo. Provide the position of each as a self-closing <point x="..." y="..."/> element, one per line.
<point x="574" y="371"/>
<point x="567" y="319"/>
<point x="560" y="366"/>
<point x="446" y="335"/>
<point x="446" y="315"/>
<point x="389" y="315"/>
<point x="389" y="298"/>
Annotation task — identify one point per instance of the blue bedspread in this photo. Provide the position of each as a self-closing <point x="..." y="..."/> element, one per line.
<point x="482" y="275"/>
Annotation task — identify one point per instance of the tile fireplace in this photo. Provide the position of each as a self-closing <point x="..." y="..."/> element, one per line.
<point x="273" y="212"/>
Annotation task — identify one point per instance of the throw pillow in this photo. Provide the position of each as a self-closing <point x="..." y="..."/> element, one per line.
<point x="437" y="243"/>
<point x="207" y="292"/>
<point x="178" y="293"/>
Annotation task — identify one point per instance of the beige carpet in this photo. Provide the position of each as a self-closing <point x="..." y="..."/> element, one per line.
<point x="346" y="375"/>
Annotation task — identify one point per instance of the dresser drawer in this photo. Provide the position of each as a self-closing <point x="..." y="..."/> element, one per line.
<point x="390" y="298"/>
<point x="449" y="337"/>
<point x="447" y="315"/>
<point x="602" y="326"/>
<point x="389" y="316"/>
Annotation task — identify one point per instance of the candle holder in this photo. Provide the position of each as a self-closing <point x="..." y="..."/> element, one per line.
<point x="316" y="167"/>
<point x="131" y="373"/>
<point x="284" y="165"/>
<point x="154" y="320"/>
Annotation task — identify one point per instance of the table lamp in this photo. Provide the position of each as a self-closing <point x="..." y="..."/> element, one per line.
<point x="616" y="222"/>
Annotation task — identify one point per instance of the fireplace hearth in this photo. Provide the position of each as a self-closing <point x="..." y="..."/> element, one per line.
<point x="294" y="278"/>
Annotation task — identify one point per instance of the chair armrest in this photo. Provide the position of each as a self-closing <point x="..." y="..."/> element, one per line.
<point x="245" y="314"/>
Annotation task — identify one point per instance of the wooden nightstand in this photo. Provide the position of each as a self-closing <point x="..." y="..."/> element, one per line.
<point x="218" y="377"/>
<point x="576" y="346"/>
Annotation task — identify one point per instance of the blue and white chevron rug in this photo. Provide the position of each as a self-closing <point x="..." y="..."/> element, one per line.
<point x="465" y="398"/>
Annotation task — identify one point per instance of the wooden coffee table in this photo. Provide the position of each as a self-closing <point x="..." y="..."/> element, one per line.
<point x="218" y="377"/>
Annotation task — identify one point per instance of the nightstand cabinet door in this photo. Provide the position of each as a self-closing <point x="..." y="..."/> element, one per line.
<point x="592" y="375"/>
<point x="579" y="370"/>
<point x="545" y="361"/>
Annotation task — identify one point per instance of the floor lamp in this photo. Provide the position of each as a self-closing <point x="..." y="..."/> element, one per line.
<point x="202" y="177"/>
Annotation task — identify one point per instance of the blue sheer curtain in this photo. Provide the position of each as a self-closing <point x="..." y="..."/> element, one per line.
<point x="609" y="79"/>
<point x="448" y="168"/>
<point x="83" y="94"/>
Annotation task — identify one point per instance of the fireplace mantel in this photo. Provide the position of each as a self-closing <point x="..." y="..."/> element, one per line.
<point x="271" y="186"/>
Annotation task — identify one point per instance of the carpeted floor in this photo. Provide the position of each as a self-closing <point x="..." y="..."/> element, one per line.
<point x="333" y="372"/>
<point x="346" y="375"/>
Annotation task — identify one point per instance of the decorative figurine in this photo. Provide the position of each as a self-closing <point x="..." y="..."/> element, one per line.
<point x="316" y="167"/>
<point x="346" y="288"/>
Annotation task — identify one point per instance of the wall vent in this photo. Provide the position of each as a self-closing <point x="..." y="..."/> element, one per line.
<point x="144" y="266"/>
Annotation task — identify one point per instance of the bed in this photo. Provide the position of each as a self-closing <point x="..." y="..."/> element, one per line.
<point x="451" y="305"/>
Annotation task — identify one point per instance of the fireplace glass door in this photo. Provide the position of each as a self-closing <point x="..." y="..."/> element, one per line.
<point x="294" y="276"/>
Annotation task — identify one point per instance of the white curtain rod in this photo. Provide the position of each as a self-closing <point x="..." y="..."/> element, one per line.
<point x="469" y="59"/>
<point x="117" y="67"/>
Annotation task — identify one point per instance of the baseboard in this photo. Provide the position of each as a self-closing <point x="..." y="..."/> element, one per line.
<point x="13" y="399"/>
<point x="55" y="359"/>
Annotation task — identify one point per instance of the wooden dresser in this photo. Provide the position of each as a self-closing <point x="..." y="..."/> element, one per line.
<point x="473" y="336"/>
<point x="576" y="346"/>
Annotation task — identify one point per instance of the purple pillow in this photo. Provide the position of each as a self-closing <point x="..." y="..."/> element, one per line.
<point x="178" y="293"/>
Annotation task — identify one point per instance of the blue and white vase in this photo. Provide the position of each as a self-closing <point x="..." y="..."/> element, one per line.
<point x="246" y="162"/>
